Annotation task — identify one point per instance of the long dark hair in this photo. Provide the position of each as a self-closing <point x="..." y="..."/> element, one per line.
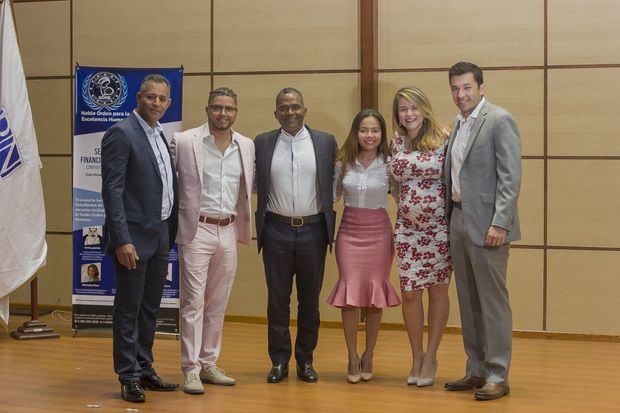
<point x="347" y="154"/>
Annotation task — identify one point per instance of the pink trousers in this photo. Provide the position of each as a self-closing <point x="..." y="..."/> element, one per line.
<point x="208" y="266"/>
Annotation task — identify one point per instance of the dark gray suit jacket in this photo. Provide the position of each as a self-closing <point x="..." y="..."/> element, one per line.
<point x="325" y="148"/>
<point x="132" y="189"/>
<point x="491" y="175"/>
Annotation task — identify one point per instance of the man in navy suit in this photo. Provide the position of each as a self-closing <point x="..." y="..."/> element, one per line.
<point x="294" y="225"/>
<point x="139" y="196"/>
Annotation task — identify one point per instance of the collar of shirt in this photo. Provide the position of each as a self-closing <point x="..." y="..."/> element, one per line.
<point x="378" y="161"/>
<point x="472" y="115"/>
<point x="157" y="130"/>
<point x="302" y="134"/>
<point x="208" y="137"/>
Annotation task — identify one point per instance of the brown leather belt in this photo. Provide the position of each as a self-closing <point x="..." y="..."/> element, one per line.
<point x="298" y="221"/>
<point x="222" y="222"/>
<point x="457" y="205"/>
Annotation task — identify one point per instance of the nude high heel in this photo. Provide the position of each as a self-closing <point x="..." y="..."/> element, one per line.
<point x="425" y="382"/>
<point x="366" y="376"/>
<point x="355" y="378"/>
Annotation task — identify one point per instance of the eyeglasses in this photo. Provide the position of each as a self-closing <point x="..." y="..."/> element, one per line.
<point x="229" y="110"/>
<point x="152" y="98"/>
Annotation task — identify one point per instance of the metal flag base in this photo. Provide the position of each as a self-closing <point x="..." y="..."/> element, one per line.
<point x="34" y="330"/>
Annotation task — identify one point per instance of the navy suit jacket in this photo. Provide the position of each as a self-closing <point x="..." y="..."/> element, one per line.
<point x="325" y="148"/>
<point x="132" y="189"/>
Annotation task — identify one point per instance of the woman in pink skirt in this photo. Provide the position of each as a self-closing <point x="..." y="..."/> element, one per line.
<point x="364" y="248"/>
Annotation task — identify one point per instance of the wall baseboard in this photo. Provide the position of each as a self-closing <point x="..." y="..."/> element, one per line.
<point x="610" y="338"/>
<point x="450" y="330"/>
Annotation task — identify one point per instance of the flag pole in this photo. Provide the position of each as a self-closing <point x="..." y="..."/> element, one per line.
<point x="34" y="300"/>
<point x="33" y="329"/>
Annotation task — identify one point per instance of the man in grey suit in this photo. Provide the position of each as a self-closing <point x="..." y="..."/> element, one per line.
<point x="139" y="190"/>
<point x="294" y="225"/>
<point x="483" y="177"/>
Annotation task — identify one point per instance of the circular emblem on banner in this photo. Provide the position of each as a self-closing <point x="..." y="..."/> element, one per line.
<point x="105" y="90"/>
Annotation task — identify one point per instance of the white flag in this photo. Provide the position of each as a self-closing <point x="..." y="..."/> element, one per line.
<point x="22" y="212"/>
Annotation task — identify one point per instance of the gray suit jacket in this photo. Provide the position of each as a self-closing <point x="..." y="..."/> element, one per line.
<point x="491" y="175"/>
<point x="325" y="148"/>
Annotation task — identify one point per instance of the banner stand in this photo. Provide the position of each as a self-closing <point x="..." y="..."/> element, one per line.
<point x="103" y="97"/>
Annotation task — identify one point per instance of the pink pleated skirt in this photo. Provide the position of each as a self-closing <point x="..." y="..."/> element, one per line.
<point x="364" y="253"/>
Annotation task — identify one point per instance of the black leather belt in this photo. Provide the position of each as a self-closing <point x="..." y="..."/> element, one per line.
<point x="457" y="205"/>
<point x="298" y="221"/>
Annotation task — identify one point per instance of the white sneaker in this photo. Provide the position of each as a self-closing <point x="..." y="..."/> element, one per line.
<point x="215" y="375"/>
<point x="193" y="385"/>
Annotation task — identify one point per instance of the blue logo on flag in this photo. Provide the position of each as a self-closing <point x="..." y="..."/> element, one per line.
<point x="10" y="158"/>
<point x="104" y="90"/>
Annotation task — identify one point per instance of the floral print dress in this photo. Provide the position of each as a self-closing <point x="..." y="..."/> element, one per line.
<point x="421" y="233"/>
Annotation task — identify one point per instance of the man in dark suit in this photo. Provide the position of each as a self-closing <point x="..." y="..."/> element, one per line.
<point x="139" y="196"/>
<point x="294" y="225"/>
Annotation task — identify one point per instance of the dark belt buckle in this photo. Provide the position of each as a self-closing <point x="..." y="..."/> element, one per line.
<point x="297" y="222"/>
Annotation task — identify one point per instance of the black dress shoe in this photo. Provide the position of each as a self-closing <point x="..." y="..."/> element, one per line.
<point x="132" y="392"/>
<point x="307" y="373"/>
<point x="277" y="373"/>
<point x="155" y="383"/>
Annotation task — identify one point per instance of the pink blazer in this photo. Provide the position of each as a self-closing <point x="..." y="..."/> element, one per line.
<point x="187" y="151"/>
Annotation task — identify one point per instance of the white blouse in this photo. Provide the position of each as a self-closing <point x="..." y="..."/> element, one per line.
<point x="363" y="187"/>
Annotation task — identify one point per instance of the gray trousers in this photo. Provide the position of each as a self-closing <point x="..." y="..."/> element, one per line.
<point x="486" y="317"/>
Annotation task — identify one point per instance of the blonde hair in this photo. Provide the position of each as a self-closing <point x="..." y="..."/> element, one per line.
<point x="347" y="154"/>
<point x="432" y="134"/>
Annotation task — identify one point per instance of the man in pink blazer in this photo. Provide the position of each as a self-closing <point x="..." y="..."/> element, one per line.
<point x="215" y="169"/>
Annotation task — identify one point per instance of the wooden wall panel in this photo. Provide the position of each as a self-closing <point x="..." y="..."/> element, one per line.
<point x="425" y="34"/>
<point x="583" y="112"/>
<point x="531" y="202"/>
<point x="583" y="292"/>
<point x="285" y="35"/>
<point x="583" y="203"/>
<point x="142" y="33"/>
<point x="520" y="92"/>
<point x="44" y="37"/>
<point x="56" y="179"/>
<point x="195" y="96"/>
<point x="332" y="100"/>
<point x="249" y="293"/>
<point x="583" y="32"/>
<point x="54" y="280"/>
<point x="51" y="113"/>
<point x="525" y="287"/>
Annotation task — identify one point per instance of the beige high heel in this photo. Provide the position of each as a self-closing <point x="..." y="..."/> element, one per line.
<point x="425" y="382"/>
<point x="366" y="376"/>
<point x="413" y="379"/>
<point x="355" y="378"/>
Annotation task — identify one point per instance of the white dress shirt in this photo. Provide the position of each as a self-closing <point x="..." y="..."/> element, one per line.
<point x="156" y="140"/>
<point x="363" y="187"/>
<point x="293" y="182"/>
<point x="221" y="177"/>
<point x="458" y="149"/>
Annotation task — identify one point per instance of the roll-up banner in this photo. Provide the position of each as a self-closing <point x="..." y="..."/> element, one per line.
<point x="104" y="96"/>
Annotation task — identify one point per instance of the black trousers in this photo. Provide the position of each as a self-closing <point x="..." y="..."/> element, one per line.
<point x="289" y="252"/>
<point x="137" y="299"/>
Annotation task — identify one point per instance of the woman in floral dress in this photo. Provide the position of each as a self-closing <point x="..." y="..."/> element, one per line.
<point x="421" y="232"/>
